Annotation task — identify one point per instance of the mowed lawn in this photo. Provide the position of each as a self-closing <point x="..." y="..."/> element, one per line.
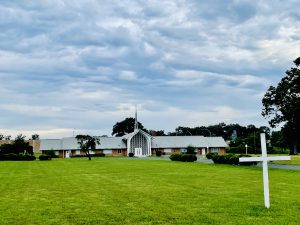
<point x="118" y="191"/>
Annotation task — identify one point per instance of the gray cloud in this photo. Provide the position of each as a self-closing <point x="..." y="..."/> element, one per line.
<point x="85" y="65"/>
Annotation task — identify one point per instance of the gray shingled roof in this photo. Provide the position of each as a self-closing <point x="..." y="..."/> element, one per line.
<point x="71" y="143"/>
<point x="118" y="143"/>
<point x="184" y="141"/>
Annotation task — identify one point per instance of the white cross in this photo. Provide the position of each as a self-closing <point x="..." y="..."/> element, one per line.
<point x="264" y="158"/>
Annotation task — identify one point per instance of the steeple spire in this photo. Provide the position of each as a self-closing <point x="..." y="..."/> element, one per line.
<point x="136" y="126"/>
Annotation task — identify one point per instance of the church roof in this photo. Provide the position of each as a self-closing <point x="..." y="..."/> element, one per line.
<point x="184" y="141"/>
<point x="118" y="143"/>
<point x="71" y="143"/>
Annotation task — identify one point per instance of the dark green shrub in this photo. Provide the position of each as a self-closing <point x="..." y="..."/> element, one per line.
<point x="188" y="158"/>
<point x="51" y="153"/>
<point x="94" y="155"/>
<point x="45" y="157"/>
<point x="178" y="156"/>
<point x="28" y="157"/>
<point x="8" y="156"/>
<point x="190" y="150"/>
<point x="131" y="154"/>
<point x="158" y="153"/>
<point x="211" y="154"/>
<point x="232" y="159"/>
<point x="16" y="157"/>
<point x="6" y="149"/>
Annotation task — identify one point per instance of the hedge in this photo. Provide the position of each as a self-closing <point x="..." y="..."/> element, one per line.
<point x="178" y="156"/>
<point x="232" y="159"/>
<point x="158" y="153"/>
<point x="15" y="157"/>
<point x="45" y="157"/>
<point x="93" y="155"/>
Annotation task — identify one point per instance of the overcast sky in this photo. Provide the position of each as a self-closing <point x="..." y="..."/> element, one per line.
<point x="84" y="65"/>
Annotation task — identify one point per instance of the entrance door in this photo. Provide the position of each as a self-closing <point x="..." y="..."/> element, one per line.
<point x="138" y="152"/>
<point x="67" y="154"/>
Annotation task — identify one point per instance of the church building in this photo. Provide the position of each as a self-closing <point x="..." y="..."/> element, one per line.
<point x="138" y="142"/>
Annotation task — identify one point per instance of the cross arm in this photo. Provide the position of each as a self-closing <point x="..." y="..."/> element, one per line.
<point x="250" y="159"/>
<point x="260" y="159"/>
<point x="271" y="158"/>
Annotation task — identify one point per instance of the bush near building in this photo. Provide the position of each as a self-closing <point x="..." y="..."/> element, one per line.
<point x="232" y="159"/>
<point x="45" y="157"/>
<point x="178" y="156"/>
<point x="16" y="157"/>
<point x="158" y="153"/>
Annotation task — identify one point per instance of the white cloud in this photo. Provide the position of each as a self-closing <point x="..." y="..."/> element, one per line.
<point x="66" y="64"/>
<point x="128" y="75"/>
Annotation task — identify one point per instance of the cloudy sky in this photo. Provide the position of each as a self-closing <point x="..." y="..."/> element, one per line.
<point x="84" y="65"/>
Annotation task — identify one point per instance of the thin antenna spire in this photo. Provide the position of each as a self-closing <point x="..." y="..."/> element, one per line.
<point x="136" y="121"/>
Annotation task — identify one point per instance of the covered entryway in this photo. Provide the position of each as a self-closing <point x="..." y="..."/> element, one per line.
<point x="139" y="143"/>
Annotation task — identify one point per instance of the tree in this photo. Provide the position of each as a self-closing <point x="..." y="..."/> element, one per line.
<point x="190" y="150"/>
<point x="20" y="146"/>
<point x="87" y="143"/>
<point x="8" y="137"/>
<point x="125" y="127"/>
<point x="1" y="137"/>
<point x="157" y="132"/>
<point x="35" y="137"/>
<point x="281" y="104"/>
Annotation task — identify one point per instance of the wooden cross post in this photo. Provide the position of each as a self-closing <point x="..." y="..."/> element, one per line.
<point x="264" y="159"/>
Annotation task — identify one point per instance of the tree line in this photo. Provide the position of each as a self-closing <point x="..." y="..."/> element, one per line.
<point x="18" y="146"/>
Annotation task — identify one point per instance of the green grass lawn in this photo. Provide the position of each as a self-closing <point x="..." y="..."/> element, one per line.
<point x="118" y="191"/>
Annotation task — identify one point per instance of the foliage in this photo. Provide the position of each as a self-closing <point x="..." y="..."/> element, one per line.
<point x="51" y="153"/>
<point x="16" y="157"/>
<point x="178" y="156"/>
<point x="93" y="156"/>
<point x="7" y="138"/>
<point x="232" y="159"/>
<point x="6" y="149"/>
<point x="87" y="143"/>
<point x="45" y="157"/>
<point x="131" y="154"/>
<point x="157" y="132"/>
<point x="211" y="154"/>
<point x="158" y="153"/>
<point x="281" y="104"/>
<point x="190" y="150"/>
<point x="18" y="146"/>
<point x="125" y="127"/>
<point x="1" y="137"/>
<point x="35" y="137"/>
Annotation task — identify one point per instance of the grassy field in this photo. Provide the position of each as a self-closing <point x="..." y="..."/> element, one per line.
<point x="118" y="191"/>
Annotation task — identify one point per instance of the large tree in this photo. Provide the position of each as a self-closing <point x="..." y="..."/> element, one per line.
<point x="281" y="105"/>
<point x="87" y="143"/>
<point x="125" y="127"/>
